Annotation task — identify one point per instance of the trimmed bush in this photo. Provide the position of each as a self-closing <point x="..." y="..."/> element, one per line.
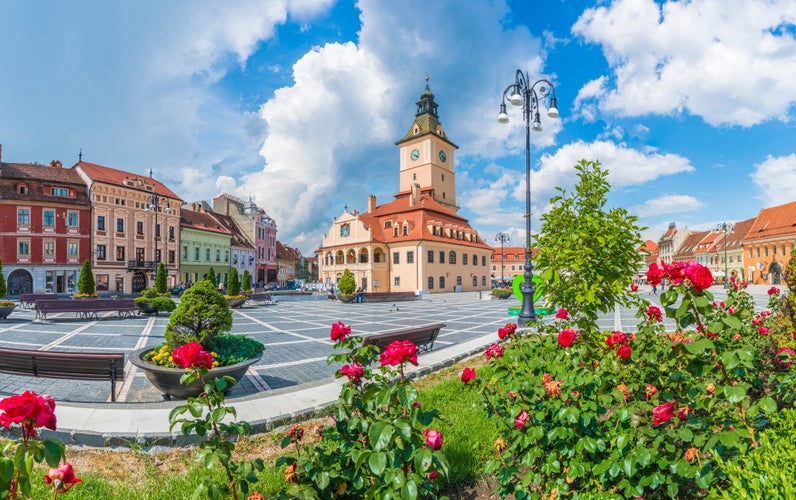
<point x="3" y="289"/>
<point x="160" y="279"/>
<point x="246" y="283"/>
<point x="347" y="283"/>
<point x="203" y="314"/>
<point x="233" y="283"/>
<point x="231" y="349"/>
<point x="85" y="283"/>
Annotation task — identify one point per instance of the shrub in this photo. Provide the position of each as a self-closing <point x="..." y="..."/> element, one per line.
<point x="501" y="293"/>
<point x="347" y="283"/>
<point x="210" y="276"/>
<point x="160" y="279"/>
<point x="3" y="289"/>
<point x="203" y="314"/>
<point x="233" y="283"/>
<point x="231" y="349"/>
<point x="85" y="283"/>
<point x="246" y="282"/>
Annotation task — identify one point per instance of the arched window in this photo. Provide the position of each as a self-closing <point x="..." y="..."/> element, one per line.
<point x="363" y="256"/>
<point x="430" y="282"/>
<point x="442" y="282"/>
<point x="451" y="257"/>
<point x="458" y="281"/>
<point x="351" y="257"/>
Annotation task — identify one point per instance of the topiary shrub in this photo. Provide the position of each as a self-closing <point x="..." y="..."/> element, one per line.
<point x="210" y="276"/>
<point x="232" y="349"/>
<point x="160" y="302"/>
<point x="203" y="314"/>
<point x="233" y="283"/>
<point x="160" y="279"/>
<point x="85" y="283"/>
<point x="246" y="282"/>
<point x="501" y="293"/>
<point x="3" y="289"/>
<point x="347" y="283"/>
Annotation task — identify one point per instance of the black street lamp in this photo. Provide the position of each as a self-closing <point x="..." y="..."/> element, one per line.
<point x="526" y="94"/>
<point x="727" y="228"/>
<point x="154" y="204"/>
<point x="502" y="238"/>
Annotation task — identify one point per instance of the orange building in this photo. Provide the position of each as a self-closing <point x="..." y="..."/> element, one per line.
<point x="513" y="263"/>
<point x="768" y="243"/>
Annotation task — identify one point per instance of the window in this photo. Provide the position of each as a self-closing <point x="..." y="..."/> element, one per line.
<point x="758" y="251"/>
<point x="226" y="256"/>
<point x="483" y="280"/>
<point x="475" y="280"/>
<point x="458" y="281"/>
<point x="406" y="230"/>
<point x="218" y="255"/>
<point x="783" y="249"/>
<point x="71" y="219"/>
<point x="171" y="233"/>
<point x="430" y="283"/>
<point x="171" y="257"/>
<point x="765" y="251"/>
<point x="196" y="254"/>
<point x="48" y="217"/>
<point x="750" y="253"/>
<point x="100" y="223"/>
<point x="157" y="230"/>
<point x="207" y="254"/>
<point x="363" y="257"/>
<point x="395" y="231"/>
<point x="72" y="248"/>
<point x="410" y="257"/>
<point x="396" y="258"/>
<point x="23" y="248"/>
<point x="774" y="249"/>
<point x="101" y="252"/>
<point x="119" y="254"/>
<point x="431" y="257"/>
<point x="396" y="281"/>
<point x="120" y="226"/>
<point x="139" y="228"/>
<point x="494" y="267"/>
<point x="483" y="260"/>
<point x="59" y="192"/>
<point x="475" y="260"/>
<point x="185" y="252"/>
<point x="48" y="248"/>
<point x="442" y="282"/>
<point x="22" y="188"/>
<point x="464" y="259"/>
<point x="139" y="254"/>
<point x="451" y="257"/>
<point x="23" y="216"/>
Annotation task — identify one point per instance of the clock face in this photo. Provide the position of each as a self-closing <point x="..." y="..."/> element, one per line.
<point x="414" y="155"/>
<point x="442" y="156"/>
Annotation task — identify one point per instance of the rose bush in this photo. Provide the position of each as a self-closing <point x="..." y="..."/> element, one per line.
<point x="589" y="414"/>
<point x="381" y="444"/>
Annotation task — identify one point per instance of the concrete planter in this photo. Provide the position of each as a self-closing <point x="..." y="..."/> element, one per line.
<point x="6" y="310"/>
<point x="167" y="380"/>
<point x="234" y="303"/>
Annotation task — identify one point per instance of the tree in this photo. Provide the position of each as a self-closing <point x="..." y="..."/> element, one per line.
<point x="3" y="289"/>
<point x="85" y="283"/>
<point x="160" y="279"/>
<point x="202" y="315"/>
<point x="246" y="283"/>
<point x="347" y="283"/>
<point x="587" y="254"/>
<point x="210" y="275"/>
<point x="233" y="283"/>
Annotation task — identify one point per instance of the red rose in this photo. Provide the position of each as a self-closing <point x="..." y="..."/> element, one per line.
<point x="763" y="330"/>
<point x="296" y="432"/>
<point x="562" y="314"/>
<point x="683" y="412"/>
<point x="353" y="371"/>
<point x="468" y="374"/>
<point x="634" y="288"/>
<point x="794" y="334"/>
<point x="676" y="272"/>
<point x="662" y="413"/>
<point x="433" y="438"/>
<point x="62" y="478"/>
<point x="699" y="276"/>
<point x="339" y="331"/>
<point x="650" y="390"/>
<point x="398" y="352"/>
<point x="432" y="475"/>
<point x="773" y="291"/>
<point x="494" y="351"/>
<point x="521" y="419"/>
<point x="654" y="313"/>
<point x="785" y="356"/>
<point x="566" y="337"/>
<point x="655" y="274"/>
<point x="624" y="351"/>
<point x="29" y="410"/>
<point x="191" y="355"/>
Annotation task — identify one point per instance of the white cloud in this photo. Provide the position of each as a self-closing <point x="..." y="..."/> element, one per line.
<point x="727" y="61"/>
<point x="666" y="204"/>
<point x="775" y="177"/>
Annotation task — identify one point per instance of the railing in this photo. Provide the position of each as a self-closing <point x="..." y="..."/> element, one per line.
<point x="142" y="264"/>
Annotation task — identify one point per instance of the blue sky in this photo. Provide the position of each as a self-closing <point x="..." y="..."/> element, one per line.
<point x="298" y="104"/>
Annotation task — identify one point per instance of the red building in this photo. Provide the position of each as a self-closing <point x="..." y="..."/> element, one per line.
<point x="45" y="227"/>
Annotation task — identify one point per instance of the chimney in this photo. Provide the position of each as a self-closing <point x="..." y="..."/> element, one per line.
<point x="371" y="203"/>
<point x="56" y="164"/>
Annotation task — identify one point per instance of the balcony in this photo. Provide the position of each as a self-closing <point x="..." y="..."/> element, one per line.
<point x="148" y="265"/>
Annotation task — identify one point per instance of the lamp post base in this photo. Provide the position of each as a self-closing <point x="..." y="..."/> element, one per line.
<point x="528" y="313"/>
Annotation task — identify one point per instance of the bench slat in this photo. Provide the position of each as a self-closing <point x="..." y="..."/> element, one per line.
<point x="422" y="336"/>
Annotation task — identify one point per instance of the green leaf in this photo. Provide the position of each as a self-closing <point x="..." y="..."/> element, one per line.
<point x="53" y="452"/>
<point x="732" y="322"/>
<point x="728" y="438"/>
<point x="377" y="462"/>
<point x="407" y="395"/>
<point x="699" y="346"/>
<point x="735" y="393"/>
<point x="668" y="297"/>
<point x="404" y="429"/>
<point x="409" y="490"/>
<point x="768" y="405"/>
<point x="6" y="469"/>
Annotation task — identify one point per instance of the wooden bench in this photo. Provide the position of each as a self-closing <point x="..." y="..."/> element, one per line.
<point x="28" y="300"/>
<point x="86" y="308"/>
<point x="389" y="296"/>
<point x="422" y="336"/>
<point x="260" y="299"/>
<point x="67" y="365"/>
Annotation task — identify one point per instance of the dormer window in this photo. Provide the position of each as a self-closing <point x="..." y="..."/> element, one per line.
<point x="387" y="224"/>
<point x="23" y="188"/>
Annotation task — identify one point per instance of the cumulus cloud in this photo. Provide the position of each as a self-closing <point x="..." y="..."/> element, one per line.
<point x="775" y="178"/>
<point x="666" y="204"/>
<point x="730" y="62"/>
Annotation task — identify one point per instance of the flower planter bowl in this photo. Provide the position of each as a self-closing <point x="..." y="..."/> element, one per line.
<point x="347" y="298"/>
<point x="6" y="310"/>
<point x="167" y="380"/>
<point x="234" y="303"/>
<point x="147" y="307"/>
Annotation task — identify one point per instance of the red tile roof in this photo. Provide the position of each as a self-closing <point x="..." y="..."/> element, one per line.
<point x="39" y="178"/>
<point x="774" y="222"/>
<point x="201" y="221"/>
<point x="108" y="175"/>
<point x="739" y="232"/>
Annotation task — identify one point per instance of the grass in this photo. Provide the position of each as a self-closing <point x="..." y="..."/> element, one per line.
<point x="134" y="473"/>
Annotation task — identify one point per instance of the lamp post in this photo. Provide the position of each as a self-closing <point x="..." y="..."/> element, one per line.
<point x="502" y="238"/>
<point x="727" y="228"/>
<point x="154" y="204"/>
<point x="526" y="94"/>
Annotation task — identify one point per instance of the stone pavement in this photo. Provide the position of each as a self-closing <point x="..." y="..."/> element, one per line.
<point x="291" y="381"/>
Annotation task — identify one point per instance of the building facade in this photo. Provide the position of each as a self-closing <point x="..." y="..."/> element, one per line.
<point x="205" y="244"/>
<point x="135" y="225"/>
<point x="512" y="262"/>
<point x="768" y="244"/>
<point x="417" y="242"/>
<point x="45" y="227"/>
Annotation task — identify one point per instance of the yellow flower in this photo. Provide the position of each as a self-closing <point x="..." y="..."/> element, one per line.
<point x="500" y="445"/>
<point x="215" y="363"/>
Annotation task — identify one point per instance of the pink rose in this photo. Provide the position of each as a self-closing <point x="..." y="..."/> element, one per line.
<point x="562" y="314"/>
<point x="493" y="351"/>
<point x="507" y="330"/>
<point x="566" y="337"/>
<point x="433" y="438"/>
<point x="398" y="352"/>
<point x="29" y="410"/>
<point x="353" y="371"/>
<point x="763" y="330"/>
<point x="655" y="274"/>
<point x="624" y="351"/>
<point x="340" y="331"/>
<point x="62" y="478"/>
<point x="468" y="374"/>
<point x="521" y="419"/>
<point x="785" y="356"/>
<point x="650" y="390"/>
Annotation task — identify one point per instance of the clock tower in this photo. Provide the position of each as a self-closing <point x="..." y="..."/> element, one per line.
<point x="427" y="155"/>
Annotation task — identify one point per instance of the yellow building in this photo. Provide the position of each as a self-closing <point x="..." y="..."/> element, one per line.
<point x="416" y="242"/>
<point x="768" y="243"/>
